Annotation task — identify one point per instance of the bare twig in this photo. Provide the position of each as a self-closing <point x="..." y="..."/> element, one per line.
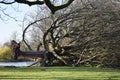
<point x="24" y="31"/>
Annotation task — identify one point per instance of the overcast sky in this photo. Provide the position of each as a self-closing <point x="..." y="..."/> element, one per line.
<point x="8" y="26"/>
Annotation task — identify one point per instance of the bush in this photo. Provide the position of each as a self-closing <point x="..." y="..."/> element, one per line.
<point x="5" y="54"/>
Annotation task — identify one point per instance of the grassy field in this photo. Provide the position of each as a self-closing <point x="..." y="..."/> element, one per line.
<point x="59" y="73"/>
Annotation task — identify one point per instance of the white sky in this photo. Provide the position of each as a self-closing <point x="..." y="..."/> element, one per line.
<point x="9" y="26"/>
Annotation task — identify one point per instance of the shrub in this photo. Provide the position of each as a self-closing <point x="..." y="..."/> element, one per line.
<point x="5" y="54"/>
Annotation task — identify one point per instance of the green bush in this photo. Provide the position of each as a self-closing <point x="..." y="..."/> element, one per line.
<point x="5" y="54"/>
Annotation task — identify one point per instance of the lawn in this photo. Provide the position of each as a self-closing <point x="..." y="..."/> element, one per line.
<point x="59" y="73"/>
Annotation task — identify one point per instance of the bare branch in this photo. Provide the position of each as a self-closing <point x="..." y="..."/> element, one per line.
<point x="37" y="2"/>
<point x="55" y="8"/>
<point x="3" y="2"/>
<point x="23" y="35"/>
<point x="87" y="59"/>
<point x="2" y="10"/>
<point x="30" y="3"/>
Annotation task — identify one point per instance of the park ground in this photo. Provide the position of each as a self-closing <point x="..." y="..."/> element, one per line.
<point x="58" y="73"/>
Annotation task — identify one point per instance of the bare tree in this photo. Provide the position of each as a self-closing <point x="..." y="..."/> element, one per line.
<point x="86" y="31"/>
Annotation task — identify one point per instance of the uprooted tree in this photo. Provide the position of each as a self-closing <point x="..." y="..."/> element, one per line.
<point x="85" y="34"/>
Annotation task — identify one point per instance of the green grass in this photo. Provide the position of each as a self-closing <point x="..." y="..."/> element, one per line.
<point x="59" y="73"/>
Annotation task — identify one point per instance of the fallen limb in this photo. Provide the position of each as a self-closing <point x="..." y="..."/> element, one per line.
<point x="80" y="62"/>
